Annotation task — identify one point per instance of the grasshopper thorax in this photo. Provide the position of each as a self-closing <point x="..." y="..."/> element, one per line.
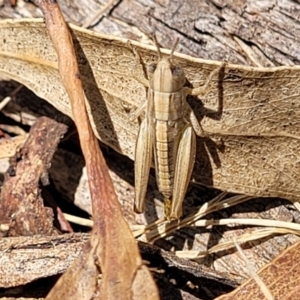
<point x="165" y="76"/>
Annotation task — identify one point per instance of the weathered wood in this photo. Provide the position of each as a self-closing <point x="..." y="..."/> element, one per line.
<point x="24" y="259"/>
<point x="42" y="257"/>
<point x="22" y="211"/>
<point x="207" y="29"/>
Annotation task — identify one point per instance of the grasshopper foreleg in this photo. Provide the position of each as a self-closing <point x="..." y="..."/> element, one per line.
<point x="201" y="90"/>
<point x="138" y="111"/>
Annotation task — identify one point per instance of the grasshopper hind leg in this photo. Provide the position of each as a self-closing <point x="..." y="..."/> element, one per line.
<point x="183" y="170"/>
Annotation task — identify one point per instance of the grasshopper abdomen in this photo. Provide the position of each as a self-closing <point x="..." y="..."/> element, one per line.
<point x="168" y="112"/>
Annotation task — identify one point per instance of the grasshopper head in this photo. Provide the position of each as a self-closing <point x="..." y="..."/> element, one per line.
<point x="164" y="76"/>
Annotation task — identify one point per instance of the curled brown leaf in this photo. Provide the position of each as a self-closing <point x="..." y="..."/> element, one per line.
<point x="280" y="276"/>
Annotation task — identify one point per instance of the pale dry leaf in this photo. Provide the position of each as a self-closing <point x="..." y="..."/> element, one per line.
<point x="256" y="127"/>
<point x="9" y="146"/>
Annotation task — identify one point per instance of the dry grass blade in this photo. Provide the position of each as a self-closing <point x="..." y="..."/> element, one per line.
<point x="272" y="227"/>
<point x="244" y="238"/>
<point x="162" y="228"/>
<point x="252" y="272"/>
<point x="112" y="246"/>
<point x="78" y="220"/>
<point x="257" y="234"/>
<point x="281" y="276"/>
<point x="6" y="100"/>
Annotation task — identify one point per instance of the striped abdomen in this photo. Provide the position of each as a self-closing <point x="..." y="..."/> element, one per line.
<point x="167" y="113"/>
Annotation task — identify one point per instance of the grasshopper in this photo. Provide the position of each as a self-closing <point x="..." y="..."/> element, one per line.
<point x="168" y="132"/>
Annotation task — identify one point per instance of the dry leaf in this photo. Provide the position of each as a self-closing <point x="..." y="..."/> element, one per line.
<point x="256" y="128"/>
<point x="280" y="276"/>
<point x="112" y="248"/>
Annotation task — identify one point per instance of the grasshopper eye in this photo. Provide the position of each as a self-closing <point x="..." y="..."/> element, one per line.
<point x="177" y="71"/>
<point x="151" y="68"/>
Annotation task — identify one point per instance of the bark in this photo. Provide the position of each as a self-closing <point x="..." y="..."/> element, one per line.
<point x="22" y="211"/>
<point x="212" y="29"/>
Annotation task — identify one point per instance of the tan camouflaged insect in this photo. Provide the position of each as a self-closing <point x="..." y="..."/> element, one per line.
<point x="167" y="132"/>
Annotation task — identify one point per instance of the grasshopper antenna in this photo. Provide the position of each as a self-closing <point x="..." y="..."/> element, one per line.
<point x="173" y="48"/>
<point x="157" y="46"/>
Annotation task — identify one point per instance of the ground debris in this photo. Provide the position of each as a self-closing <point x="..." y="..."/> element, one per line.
<point x="22" y="210"/>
